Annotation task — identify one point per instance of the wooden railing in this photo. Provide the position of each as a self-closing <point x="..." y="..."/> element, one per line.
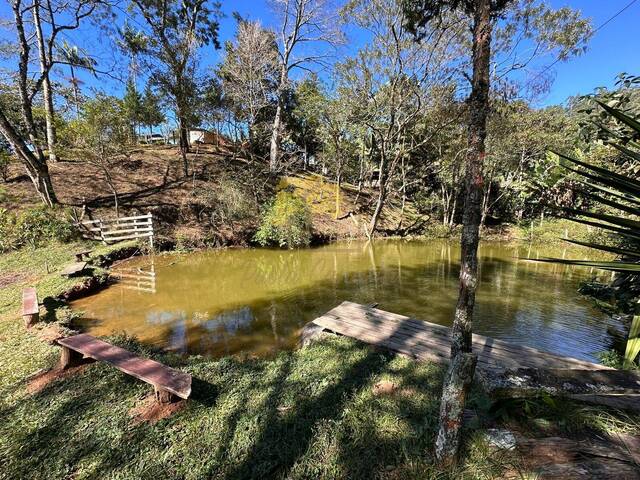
<point x="118" y="229"/>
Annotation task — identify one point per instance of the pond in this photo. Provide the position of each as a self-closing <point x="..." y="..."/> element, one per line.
<point x="254" y="301"/>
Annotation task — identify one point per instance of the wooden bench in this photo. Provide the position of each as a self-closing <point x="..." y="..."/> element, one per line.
<point x="81" y="254"/>
<point x="30" y="309"/>
<point x="167" y="382"/>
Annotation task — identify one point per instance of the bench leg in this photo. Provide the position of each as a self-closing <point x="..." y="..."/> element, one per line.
<point x="163" y="396"/>
<point x="30" y="320"/>
<point x="70" y="358"/>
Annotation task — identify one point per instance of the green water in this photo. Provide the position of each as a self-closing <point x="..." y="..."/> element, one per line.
<point x="254" y="301"/>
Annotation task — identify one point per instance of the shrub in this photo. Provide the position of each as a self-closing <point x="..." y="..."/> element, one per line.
<point x="8" y="240"/>
<point x="286" y="222"/>
<point x="224" y="202"/>
<point x="33" y="227"/>
<point x="5" y="160"/>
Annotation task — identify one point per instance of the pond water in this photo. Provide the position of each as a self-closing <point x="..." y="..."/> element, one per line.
<point x="254" y="301"/>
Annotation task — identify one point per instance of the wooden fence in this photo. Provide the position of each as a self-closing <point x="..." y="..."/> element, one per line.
<point x="117" y="229"/>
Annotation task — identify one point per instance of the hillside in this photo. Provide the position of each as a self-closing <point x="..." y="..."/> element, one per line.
<point x="218" y="204"/>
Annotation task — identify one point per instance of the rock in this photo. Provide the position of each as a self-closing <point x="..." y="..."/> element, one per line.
<point x="311" y="333"/>
<point x="500" y="438"/>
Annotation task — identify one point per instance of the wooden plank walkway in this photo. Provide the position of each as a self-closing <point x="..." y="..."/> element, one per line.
<point x="427" y="341"/>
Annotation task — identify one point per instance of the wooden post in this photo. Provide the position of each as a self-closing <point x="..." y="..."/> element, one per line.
<point x="164" y="396"/>
<point x="69" y="358"/>
<point x="30" y="319"/>
<point x="101" y="231"/>
<point x="150" y="221"/>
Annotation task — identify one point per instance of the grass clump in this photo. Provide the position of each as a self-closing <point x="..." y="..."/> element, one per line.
<point x="286" y="222"/>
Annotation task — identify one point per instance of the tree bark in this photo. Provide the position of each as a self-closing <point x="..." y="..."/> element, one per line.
<point x="47" y="92"/>
<point x="183" y="141"/>
<point x="274" y="149"/>
<point x="462" y="366"/>
<point x="382" y="195"/>
<point x="29" y="153"/>
<point x="36" y="168"/>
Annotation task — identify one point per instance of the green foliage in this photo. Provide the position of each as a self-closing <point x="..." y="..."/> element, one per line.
<point x="132" y="105"/>
<point x="5" y="161"/>
<point x="611" y="358"/>
<point x="619" y="194"/>
<point x="34" y="227"/>
<point x="286" y="222"/>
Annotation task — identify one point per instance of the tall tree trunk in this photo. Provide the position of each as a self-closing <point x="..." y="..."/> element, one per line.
<point x="76" y="93"/>
<point x="183" y="141"/>
<point x="36" y="167"/>
<point x="274" y="149"/>
<point x="382" y="195"/>
<point x="46" y="84"/>
<point x="462" y="366"/>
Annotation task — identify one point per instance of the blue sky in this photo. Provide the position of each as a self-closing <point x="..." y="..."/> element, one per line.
<point x="611" y="51"/>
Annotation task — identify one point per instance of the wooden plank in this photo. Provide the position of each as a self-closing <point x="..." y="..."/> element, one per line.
<point x="30" y="308"/>
<point x="29" y="301"/>
<point x="120" y="219"/>
<point x="135" y="223"/>
<point x="129" y="237"/>
<point x="620" y="401"/>
<point x="478" y="340"/>
<point x="73" y="269"/>
<point x="483" y="349"/>
<point x="126" y="230"/>
<point x="426" y="340"/>
<point x="147" y="370"/>
<point x="354" y="309"/>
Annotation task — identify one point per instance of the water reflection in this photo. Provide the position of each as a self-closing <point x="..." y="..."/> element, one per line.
<point x="255" y="301"/>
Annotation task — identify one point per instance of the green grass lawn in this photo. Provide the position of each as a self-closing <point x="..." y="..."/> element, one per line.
<point x="310" y="413"/>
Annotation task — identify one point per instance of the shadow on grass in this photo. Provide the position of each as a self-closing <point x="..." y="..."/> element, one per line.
<point x="309" y="413"/>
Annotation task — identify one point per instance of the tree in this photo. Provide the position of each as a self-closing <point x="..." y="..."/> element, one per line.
<point x="151" y="110"/>
<point x="249" y="74"/>
<point x="75" y="58"/>
<point x="387" y="87"/>
<point x="133" y="109"/>
<point x="308" y="117"/>
<point x="23" y="136"/>
<point x="302" y="22"/>
<point x="534" y="21"/>
<point x="102" y="138"/>
<point x="174" y="30"/>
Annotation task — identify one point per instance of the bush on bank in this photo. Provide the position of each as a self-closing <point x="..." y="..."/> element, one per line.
<point x="34" y="227"/>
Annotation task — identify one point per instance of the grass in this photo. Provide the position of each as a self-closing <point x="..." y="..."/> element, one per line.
<point x="305" y="414"/>
<point x="41" y="268"/>
<point x="309" y="413"/>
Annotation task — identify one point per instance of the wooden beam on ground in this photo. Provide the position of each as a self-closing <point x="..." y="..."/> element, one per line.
<point x="30" y="308"/>
<point x="612" y="388"/>
<point x="167" y="382"/>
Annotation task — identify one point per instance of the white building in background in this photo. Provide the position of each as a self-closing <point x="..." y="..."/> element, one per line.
<point x="199" y="135"/>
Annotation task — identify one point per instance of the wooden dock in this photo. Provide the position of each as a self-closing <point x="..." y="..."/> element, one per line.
<point x="427" y="341"/>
